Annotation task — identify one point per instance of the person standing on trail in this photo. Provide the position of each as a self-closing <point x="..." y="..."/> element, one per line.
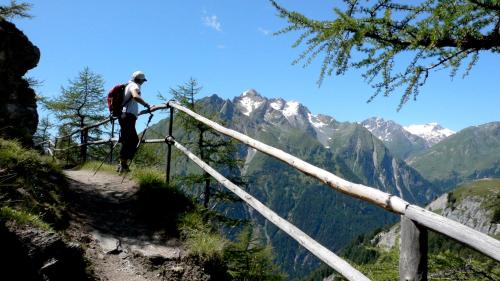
<point x="128" y="135"/>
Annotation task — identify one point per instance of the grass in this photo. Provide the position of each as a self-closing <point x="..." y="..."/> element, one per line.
<point x="144" y="176"/>
<point x="93" y="165"/>
<point x="22" y="217"/>
<point x="486" y="188"/>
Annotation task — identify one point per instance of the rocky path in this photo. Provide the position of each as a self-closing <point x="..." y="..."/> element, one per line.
<point x="118" y="243"/>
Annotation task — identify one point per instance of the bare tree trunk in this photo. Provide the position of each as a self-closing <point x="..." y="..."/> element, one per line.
<point x="206" y="176"/>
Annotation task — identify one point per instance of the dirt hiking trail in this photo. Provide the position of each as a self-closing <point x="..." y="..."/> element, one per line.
<point x="118" y="242"/>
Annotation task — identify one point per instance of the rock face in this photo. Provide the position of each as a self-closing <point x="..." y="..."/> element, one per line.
<point x="18" y="115"/>
<point x="474" y="204"/>
<point x="469" y="211"/>
<point x="399" y="141"/>
<point x="30" y="253"/>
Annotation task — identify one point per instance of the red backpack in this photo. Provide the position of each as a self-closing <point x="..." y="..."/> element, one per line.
<point x="115" y="99"/>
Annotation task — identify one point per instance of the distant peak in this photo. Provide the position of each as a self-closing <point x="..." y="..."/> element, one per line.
<point x="431" y="132"/>
<point x="250" y="100"/>
<point x="250" y="93"/>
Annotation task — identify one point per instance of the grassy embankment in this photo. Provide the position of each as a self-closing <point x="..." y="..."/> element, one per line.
<point x="31" y="188"/>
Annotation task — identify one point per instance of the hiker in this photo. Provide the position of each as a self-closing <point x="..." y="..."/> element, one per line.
<point x="128" y="135"/>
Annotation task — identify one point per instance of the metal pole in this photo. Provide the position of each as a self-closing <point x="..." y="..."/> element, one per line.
<point x="169" y="146"/>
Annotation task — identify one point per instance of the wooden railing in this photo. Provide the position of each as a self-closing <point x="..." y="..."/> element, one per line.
<point x="415" y="221"/>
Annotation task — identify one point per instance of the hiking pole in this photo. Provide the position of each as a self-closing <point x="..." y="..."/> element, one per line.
<point x="139" y="143"/>
<point x="109" y="156"/>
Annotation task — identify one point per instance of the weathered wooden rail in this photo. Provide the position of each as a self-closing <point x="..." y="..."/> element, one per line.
<point x="414" y="220"/>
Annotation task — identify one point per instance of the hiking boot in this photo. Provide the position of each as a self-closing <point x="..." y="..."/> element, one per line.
<point x="123" y="169"/>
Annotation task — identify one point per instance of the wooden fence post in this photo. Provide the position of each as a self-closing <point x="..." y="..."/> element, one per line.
<point x="413" y="251"/>
<point x="67" y="150"/>
<point x="169" y="146"/>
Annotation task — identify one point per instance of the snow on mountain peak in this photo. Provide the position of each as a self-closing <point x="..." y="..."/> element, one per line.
<point x="293" y="111"/>
<point x="291" y="108"/>
<point x="251" y="93"/>
<point x="277" y="104"/>
<point x="315" y="121"/>
<point x="249" y="101"/>
<point x="431" y="132"/>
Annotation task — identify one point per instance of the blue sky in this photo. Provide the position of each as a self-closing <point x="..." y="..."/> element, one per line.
<point x="228" y="47"/>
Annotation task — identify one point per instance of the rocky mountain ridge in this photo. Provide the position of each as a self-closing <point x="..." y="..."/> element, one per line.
<point x="398" y="140"/>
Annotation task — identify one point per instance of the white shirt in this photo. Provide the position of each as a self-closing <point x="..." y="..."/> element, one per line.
<point x="129" y="104"/>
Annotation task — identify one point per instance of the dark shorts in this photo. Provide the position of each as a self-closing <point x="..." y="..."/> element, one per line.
<point x="128" y="136"/>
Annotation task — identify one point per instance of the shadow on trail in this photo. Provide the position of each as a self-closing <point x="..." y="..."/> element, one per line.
<point x="146" y="214"/>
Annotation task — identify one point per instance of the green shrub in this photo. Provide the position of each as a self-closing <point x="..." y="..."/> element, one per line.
<point x="199" y="238"/>
<point x="147" y="177"/>
<point x="496" y="215"/>
<point x="248" y="258"/>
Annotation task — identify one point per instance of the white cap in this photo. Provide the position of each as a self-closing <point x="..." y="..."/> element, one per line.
<point x="138" y="75"/>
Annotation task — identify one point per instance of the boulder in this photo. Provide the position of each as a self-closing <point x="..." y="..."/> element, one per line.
<point x="18" y="114"/>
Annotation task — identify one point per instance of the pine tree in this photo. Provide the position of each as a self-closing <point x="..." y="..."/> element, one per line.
<point x="372" y="35"/>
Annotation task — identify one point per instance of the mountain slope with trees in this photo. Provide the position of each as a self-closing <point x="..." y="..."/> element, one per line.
<point x="347" y="149"/>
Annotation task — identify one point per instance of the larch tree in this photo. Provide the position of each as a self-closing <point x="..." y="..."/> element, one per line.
<point x="375" y="35"/>
<point x="15" y="9"/>
<point x="43" y="130"/>
<point x="213" y="148"/>
<point x="81" y="103"/>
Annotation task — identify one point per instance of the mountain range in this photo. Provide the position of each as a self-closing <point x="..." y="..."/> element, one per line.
<point x="375" y="152"/>
<point x="408" y="141"/>
<point x="440" y="155"/>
